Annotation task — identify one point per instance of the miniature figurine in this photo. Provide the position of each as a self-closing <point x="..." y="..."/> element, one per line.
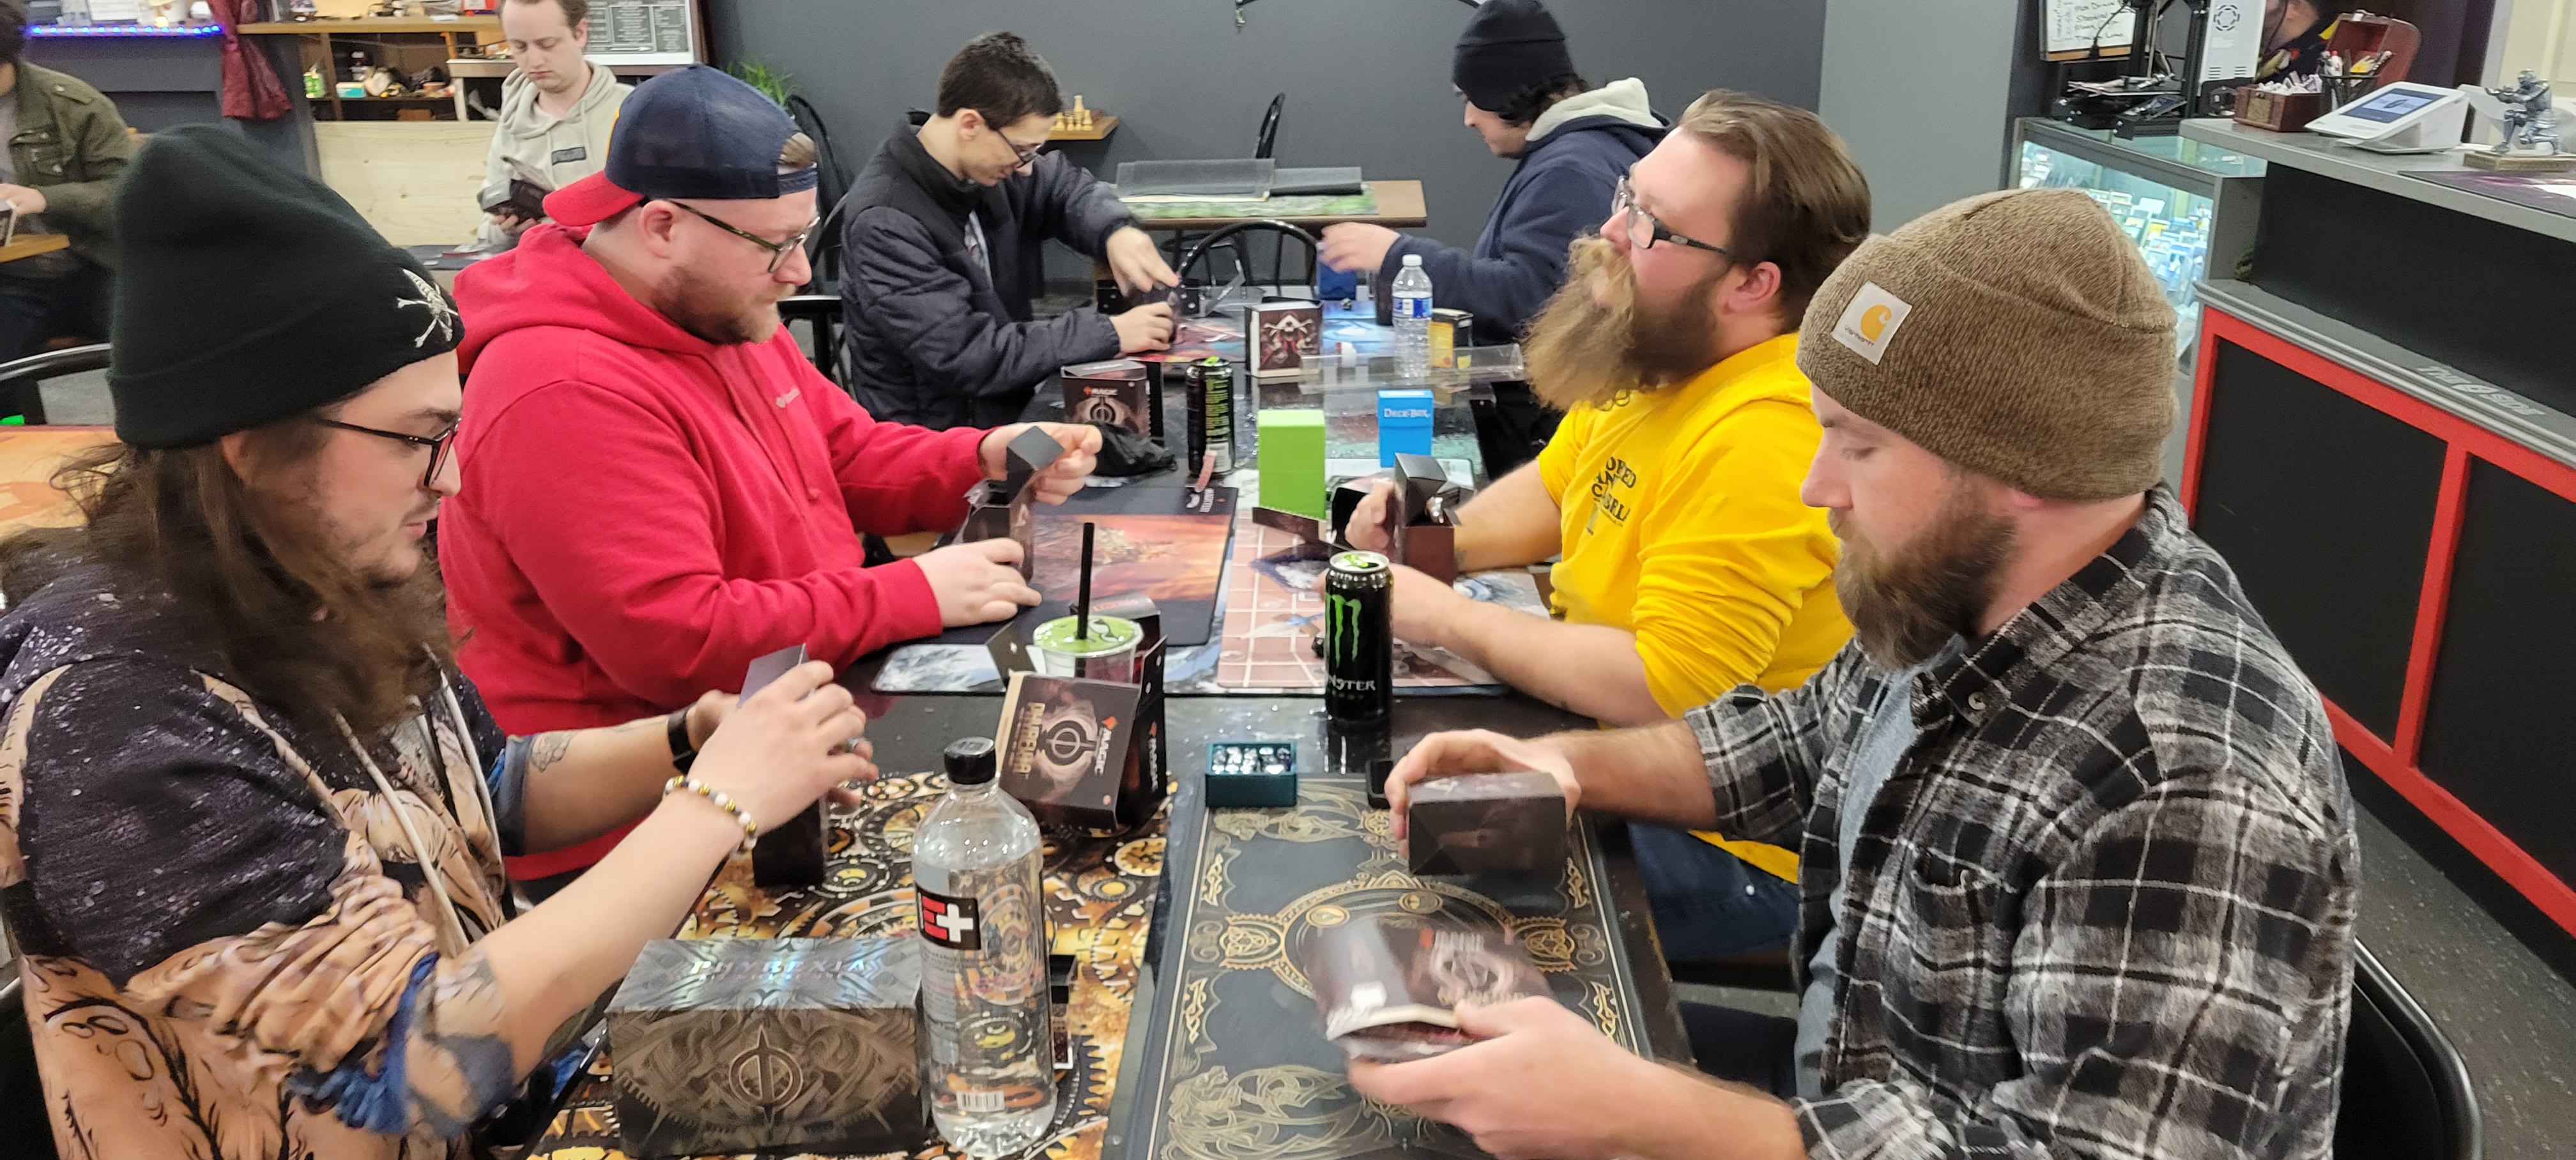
<point x="2528" y="115"/>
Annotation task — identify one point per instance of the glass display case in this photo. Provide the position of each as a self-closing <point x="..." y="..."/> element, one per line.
<point x="2164" y="192"/>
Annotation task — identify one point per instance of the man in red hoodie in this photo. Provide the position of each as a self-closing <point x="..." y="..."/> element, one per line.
<point x="661" y="487"/>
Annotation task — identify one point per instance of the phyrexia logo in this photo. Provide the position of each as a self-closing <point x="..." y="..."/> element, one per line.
<point x="1870" y="322"/>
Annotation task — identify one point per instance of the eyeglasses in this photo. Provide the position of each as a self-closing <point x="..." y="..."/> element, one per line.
<point x="777" y="250"/>
<point x="440" y="445"/>
<point x="1644" y="231"/>
<point x="1027" y="154"/>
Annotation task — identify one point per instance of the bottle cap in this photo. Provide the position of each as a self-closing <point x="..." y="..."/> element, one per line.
<point x="969" y="760"/>
<point x="1413" y="259"/>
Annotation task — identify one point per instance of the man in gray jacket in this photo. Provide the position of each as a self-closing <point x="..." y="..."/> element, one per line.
<point x="941" y="246"/>
<point x="555" y="113"/>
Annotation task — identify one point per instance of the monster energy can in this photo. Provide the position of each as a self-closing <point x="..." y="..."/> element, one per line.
<point x="1210" y="386"/>
<point x="1359" y="644"/>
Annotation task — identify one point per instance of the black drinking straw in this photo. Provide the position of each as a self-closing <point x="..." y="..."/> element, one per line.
<point x="1082" y="601"/>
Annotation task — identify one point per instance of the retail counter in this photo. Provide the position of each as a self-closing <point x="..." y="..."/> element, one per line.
<point x="2383" y="442"/>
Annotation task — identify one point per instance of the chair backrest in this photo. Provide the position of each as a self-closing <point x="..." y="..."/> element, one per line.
<point x="1269" y="134"/>
<point x="821" y="312"/>
<point x="2406" y="1092"/>
<point x="20" y="380"/>
<point x="1230" y="238"/>
<point x="22" y="1093"/>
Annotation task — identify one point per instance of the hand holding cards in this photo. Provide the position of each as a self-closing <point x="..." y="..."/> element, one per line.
<point x="1389" y="986"/>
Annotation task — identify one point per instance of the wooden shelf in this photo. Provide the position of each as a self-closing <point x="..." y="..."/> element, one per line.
<point x="1102" y="124"/>
<point x="372" y="24"/>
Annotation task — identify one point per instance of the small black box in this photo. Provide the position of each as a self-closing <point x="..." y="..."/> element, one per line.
<point x="998" y="508"/>
<point x="1486" y="823"/>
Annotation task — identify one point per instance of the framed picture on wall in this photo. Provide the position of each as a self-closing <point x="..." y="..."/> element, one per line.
<point x="646" y="32"/>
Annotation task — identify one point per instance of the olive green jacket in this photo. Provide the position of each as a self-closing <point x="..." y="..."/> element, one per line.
<point x="72" y="145"/>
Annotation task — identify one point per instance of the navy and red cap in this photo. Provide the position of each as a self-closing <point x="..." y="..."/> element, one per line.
<point x="692" y="132"/>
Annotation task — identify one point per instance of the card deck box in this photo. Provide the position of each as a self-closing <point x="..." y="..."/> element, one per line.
<point x="999" y="508"/>
<point x="726" y="1046"/>
<point x="1083" y="753"/>
<point x="1282" y="336"/>
<point x="1249" y="774"/>
<point x="1117" y="392"/>
<point x="1486" y="823"/>
<point x="1065" y="743"/>
<point x="1292" y="461"/>
<point x="1451" y="328"/>
<point x="1403" y="424"/>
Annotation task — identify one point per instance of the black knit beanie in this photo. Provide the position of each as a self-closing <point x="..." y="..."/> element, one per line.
<point x="1509" y="45"/>
<point x="246" y="293"/>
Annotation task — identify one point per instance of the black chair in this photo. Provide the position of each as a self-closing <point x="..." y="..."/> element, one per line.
<point x="20" y="381"/>
<point x="821" y="313"/>
<point x="22" y="1094"/>
<point x="1269" y="134"/>
<point x="2406" y="1092"/>
<point x="1232" y="238"/>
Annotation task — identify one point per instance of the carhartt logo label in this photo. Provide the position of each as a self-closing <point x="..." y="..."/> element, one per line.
<point x="1870" y="322"/>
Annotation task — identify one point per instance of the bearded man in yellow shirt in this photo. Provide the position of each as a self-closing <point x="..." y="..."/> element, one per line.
<point x="1688" y="564"/>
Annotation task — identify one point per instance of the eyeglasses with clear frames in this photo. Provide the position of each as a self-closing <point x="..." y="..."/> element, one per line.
<point x="1644" y="230"/>
<point x="777" y="250"/>
<point x="440" y="445"/>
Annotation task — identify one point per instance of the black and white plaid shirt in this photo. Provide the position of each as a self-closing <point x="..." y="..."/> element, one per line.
<point x="2102" y="908"/>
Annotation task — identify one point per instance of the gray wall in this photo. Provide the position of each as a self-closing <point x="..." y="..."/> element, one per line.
<point x="1920" y="91"/>
<point x="1367" y="80"/>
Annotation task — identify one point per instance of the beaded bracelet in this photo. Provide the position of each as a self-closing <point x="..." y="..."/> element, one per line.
<point x="722" y="801"/>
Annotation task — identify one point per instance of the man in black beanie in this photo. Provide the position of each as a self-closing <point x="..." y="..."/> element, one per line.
<point x="1574" y="142"/>
<point x="249" y="843"/>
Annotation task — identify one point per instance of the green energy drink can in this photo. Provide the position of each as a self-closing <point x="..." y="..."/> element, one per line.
<point x="1210" y="386"/>
<point x="1359" y="640"/>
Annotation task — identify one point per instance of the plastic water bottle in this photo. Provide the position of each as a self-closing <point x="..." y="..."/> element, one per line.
<point x="1412" y="294"/>
<point x="987" y="1047"/>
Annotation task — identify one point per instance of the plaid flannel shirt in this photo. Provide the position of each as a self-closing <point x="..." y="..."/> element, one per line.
<point x="2103" y="907"/>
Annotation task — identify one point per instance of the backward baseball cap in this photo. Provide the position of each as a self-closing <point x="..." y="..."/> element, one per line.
<point x="692" y="132"/>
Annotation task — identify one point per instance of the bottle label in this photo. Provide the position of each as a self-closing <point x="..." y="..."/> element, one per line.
<point x="1413" y="307"/>
<point x="951" y="922"/>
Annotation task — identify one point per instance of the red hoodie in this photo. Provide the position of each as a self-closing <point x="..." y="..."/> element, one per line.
<point x="643" y="512"/>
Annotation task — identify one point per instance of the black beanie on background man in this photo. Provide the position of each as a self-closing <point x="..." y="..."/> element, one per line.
<point x="1509" y="46"/>
<point x="247" y="293"/>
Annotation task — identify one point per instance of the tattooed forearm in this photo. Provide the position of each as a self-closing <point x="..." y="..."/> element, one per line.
<point x="547" y="749"/>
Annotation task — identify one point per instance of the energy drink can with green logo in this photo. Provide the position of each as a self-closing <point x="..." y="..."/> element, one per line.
<point x="1210" y="386"/>
<point x="1359" y="641"/>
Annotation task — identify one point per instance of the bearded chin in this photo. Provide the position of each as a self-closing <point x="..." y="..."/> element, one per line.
<point x="1582" y="352"/>
<point x="1904" y="606"/>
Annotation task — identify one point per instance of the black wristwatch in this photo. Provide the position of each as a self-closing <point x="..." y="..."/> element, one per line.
<point x="683" y="754"/>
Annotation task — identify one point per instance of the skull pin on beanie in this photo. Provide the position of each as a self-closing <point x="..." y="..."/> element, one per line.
<point x="1508" y="46"/>
<point x="246" y="293"/>
<point x="2016" y="334"/>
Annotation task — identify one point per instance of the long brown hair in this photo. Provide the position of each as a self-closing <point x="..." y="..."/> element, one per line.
<point x="251" y="568"/>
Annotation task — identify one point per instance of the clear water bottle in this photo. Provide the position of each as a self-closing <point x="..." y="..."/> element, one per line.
<point x="987" y="1047"/>
<point x="1412" y="294"/>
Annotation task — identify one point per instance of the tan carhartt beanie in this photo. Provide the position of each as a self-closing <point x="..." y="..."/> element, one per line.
<point x="2016" y="334"/>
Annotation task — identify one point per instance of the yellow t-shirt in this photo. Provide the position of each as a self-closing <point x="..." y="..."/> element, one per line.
<point x="1682" y="524"/>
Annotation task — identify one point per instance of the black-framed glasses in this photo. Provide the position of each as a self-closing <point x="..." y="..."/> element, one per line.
<point x="440" y="445"/>
<point x="777" y="250"/>
<point x="1027" y="154"/>
<point x="1644" y="230"/>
